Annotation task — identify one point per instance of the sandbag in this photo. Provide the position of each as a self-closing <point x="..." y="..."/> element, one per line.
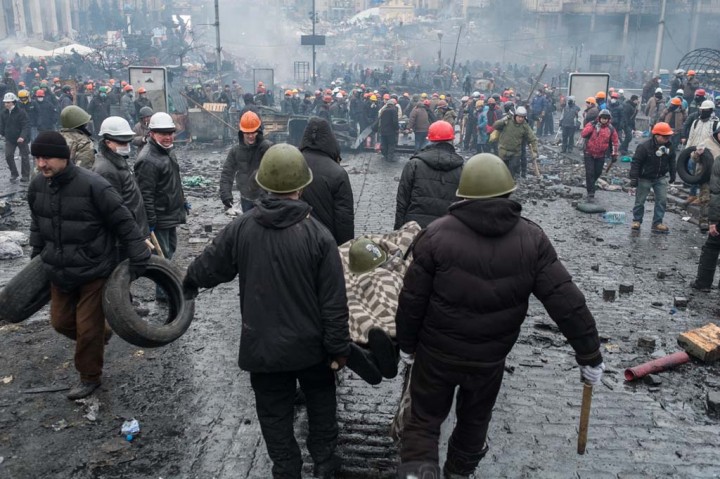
<point x="590" y="208"/>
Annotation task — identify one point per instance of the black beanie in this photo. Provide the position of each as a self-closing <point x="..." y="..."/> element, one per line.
<point x="50" y="144"/>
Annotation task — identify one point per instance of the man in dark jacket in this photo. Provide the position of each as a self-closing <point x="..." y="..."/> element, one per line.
<point x="242" y="163"/>
<point x="569" y="123"/>
<point x="464" y="299"/>
<point x="111" y="164"/>
<point x="45" y="113"/>
<point x="330" y="193"/>
<point x="429" y="180"/>
<point x="629" y="112"/>
<point x="77" y="216"/>
<point x="158" y="176"/>
<point x="299" y="332"/>
<point x="653" y="160"/>
<point x="15" y="128"/>
<point x="389" y="128"/>
<point x="99" y="108"/>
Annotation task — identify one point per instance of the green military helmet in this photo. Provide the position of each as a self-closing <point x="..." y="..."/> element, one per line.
<point x="365" y="255"/>
<point x="283" y="170"/>
<point x="485" y="176"/>
<point x="73" y="117"/>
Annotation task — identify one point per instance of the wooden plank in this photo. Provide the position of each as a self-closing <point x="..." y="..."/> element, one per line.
<point x="702" y="343"/>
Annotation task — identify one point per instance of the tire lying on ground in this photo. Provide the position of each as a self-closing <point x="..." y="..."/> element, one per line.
<point x="706" y="160"/>
<point x="26" y="293"/>
<point x="121" y="314"/>
<point x="340" y="125"/>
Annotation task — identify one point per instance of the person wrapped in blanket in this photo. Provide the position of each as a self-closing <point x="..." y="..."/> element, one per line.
<point x="374" y="267"/>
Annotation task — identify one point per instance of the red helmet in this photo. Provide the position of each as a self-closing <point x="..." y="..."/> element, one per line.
<point x="327" y="99"/>
<point x="441" y="131"/>
<point x="386" y="96"/>
<point x="700" y="92"/>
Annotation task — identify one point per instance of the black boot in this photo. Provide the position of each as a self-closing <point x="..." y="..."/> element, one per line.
<point x="362" y="363"/>
<point x="383" y="349"/>
<point x="418" y="470"/>
<point x="327" y="469"/>
<point x="461" y="464"/>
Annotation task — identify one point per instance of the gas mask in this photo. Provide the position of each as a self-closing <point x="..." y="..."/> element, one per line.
<point x="705" y="114"/>
<point x="663" y="150"/>
<point x="658" y="95"/>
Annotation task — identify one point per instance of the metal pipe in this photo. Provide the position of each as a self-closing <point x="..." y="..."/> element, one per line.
<point x="218" y="48"/>
<point x="656" y="366"/>
<point x="660" y="37"/>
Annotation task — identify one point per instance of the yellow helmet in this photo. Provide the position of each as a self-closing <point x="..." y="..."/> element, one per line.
<point x="423" y="95"/>
<point x="23" y="94"/>
<point x="442" y="97"/>
<point x="373" y="97"/>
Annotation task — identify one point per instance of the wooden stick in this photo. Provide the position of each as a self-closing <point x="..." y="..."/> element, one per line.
<point x="158" y="249"/>
<point x="584" y="418"/>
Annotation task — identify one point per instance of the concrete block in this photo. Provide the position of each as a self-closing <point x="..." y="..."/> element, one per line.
<point x="713" y="403"/>
<point x="661" y="274"/>
<point x="627" y="288"/>
<point x="652" y="380"/>
<point x="608" y="294"/>
<point x="646" y="343"/>
<point x="680" y="302"/>
<point x="595" y="267"/>
<point x="702" y="343"/>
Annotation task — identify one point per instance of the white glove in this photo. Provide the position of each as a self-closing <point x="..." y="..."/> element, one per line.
<point x="407" y="358"/>
<point x="592" y="374"/>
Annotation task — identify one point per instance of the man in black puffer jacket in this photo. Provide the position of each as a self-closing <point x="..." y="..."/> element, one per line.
<point x="77" y="216"/>
<point x="293" y="306"/>
<point x="463" y="301"/>
<point x="430" y="179"/>
<point x="330" y="193"/>
<point x="111" y="163"/>
<point x="242" y="162"/>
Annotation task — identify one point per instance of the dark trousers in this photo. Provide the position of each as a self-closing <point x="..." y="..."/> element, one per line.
<point x="593" y="170"/>
<point x="432" y="387"/>
<point x="79" y="316"/>
<point x="274" y="402"/>
<point x="387" y="146"/>
<point x="470" y="135"/>
<point x="548" y="127"/>
<point x="24" y="158"/>
<point x="167" y="238"/>
<point x="513" y="163"/>
<point x="627" y="137"/>
<point x="708" y="262"/>
<point x="568" y="138"/>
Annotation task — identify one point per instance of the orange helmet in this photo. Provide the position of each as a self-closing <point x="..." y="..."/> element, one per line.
<point x="56" y="79"/>
<point x="386" y="96"/>
<point x="662" y="128"/>
<point x="327" y="99"/>
<point x="441" y="131"/>
<point x="142" y="90"/>
<point x="127" y="88"/>
<point x="89" y="87"/>
<point x="691" y="73"/>
<point x="600" y="94"/>
<point x="249" y="122"/>
<point x="123" y="83"/>
<point x="676" y="101"/>
<point x="591" y="100"/>
<point x="40" y="93"/>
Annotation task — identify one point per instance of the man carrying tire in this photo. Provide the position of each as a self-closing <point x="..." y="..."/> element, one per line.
<point x="77" y="216"/>
<point x="293" y="306"/>
<point x="158" y="176"/>
<point x="653" y="160"/>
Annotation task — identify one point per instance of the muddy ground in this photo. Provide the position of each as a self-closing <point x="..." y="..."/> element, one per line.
<point x="196" y="407"/>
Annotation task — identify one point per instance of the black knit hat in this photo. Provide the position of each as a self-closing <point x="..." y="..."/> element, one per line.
<point x="50" y="144"/>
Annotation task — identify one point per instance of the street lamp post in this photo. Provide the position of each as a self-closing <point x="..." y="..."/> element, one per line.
<point x="440" y="35"/>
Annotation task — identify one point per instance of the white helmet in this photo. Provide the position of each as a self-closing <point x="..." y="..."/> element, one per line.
<point x="476" y="94"/>
<point x="117" y="129"/>
<point x="621" y="92"/>
<point x="658" y="90"/>
<point x="161" y="121"/>
<point x="9" y="96"/>
<point x="520" y="111"/>
<point x="707" y="105"/>
<point x="679" y="71"/>
<point x="680" y="92"/>
<point x="339" y="95"/>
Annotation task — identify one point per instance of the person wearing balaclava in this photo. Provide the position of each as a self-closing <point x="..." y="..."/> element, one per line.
<point x="698" y="130"/>
<point x="330" y="194"/>
<point x="655" y="106"/>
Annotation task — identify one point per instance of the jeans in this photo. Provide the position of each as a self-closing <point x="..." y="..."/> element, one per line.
<point x="420" y="140"/>
<point x="79" y="316"/>
<point x="708" y="262"/>
<point x="593" y="170"/>
<point x="167" y="239"/>
<point x="432" y="387"/>
<point x="691" y="170"/>
<point x="568" y="138"/>
<point x="659" y="187"/>
<point x="274" y="402"/>
<point x="24" y="158"/>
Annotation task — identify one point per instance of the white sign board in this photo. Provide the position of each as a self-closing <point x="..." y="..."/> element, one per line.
<point x="583" y="85"/>
<point x="154" y="80"/>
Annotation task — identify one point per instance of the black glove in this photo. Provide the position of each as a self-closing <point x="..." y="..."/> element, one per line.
<point x="633" y="182"/>
<point x="228" y="203"/>
<point x="190" y="289"/>
<point x="137" y="270"/>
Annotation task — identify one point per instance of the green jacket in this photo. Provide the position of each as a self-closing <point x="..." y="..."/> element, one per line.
<point x="512" y="136"/>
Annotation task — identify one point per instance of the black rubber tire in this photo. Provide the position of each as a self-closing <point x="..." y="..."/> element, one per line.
<point x="340" y="125"/>
<point x="706" y="160"/>
<point x="26" y="293"/>
<point x="121" y="314"/>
